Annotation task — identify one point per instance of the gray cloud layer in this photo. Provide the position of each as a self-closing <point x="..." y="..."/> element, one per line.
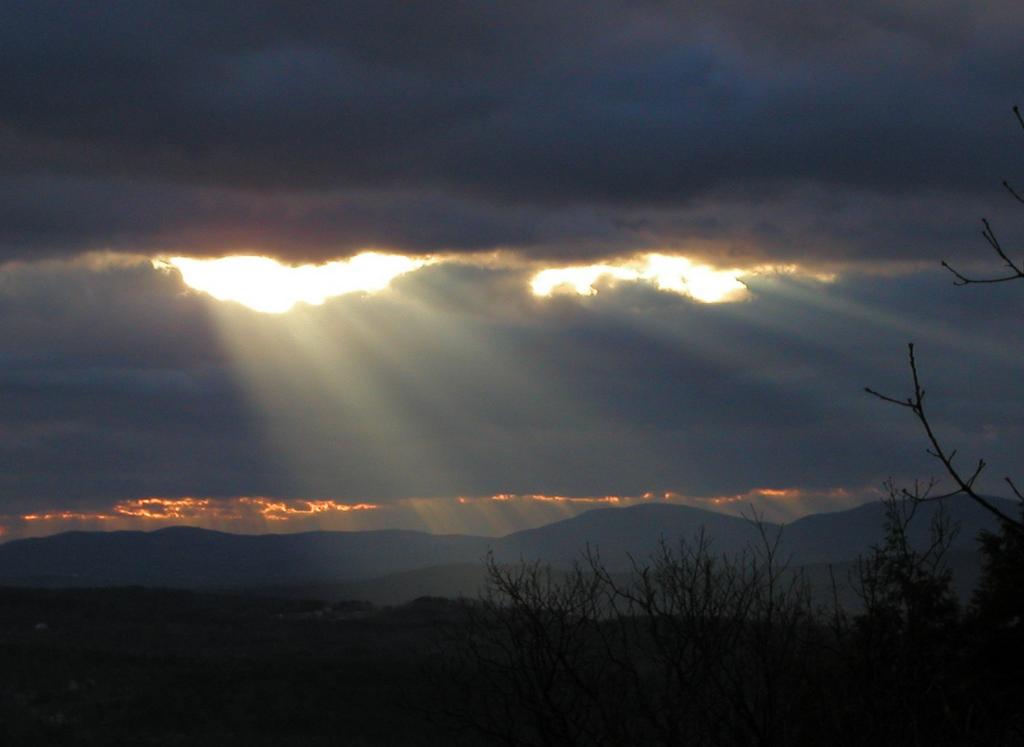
<point x="560" y="129"/>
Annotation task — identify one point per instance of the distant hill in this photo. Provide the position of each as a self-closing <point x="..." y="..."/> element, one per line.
<point x="817" y="538"/>
<point x="635" y="531"/>
<point x="842" y="535"/>
<point x="185" y="557"/>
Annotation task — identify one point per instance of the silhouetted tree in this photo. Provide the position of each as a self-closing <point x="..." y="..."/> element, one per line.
<point x="688" y="647"/>
<point x="901" y="650"/>
<point x="993" y="654"/>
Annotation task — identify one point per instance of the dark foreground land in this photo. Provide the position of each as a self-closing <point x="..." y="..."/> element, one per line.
<point x="164" y="667"/>
<point x="687" y="648"/>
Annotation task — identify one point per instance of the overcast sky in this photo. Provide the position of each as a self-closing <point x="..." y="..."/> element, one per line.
<point x="826" y="155"/>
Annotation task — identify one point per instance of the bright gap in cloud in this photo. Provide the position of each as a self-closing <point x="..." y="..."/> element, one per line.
<point x="264" y="284"/>
<point x="669" y="273"/>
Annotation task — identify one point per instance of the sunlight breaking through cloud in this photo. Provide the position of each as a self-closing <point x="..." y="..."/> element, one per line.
<point x="668" y="273"/>
<point x="264" y="284"/>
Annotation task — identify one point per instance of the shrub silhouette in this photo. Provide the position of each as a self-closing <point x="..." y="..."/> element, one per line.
<point x="691" y="647"/>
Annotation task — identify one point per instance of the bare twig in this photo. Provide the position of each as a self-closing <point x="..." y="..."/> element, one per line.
<point x="1016" y="272"/>
<point x="1012" y="191"/>
<point x="964" y="483"/>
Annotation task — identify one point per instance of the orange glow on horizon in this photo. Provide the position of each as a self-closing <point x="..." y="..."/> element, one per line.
<point x="189" y="509"/>
<point x="495" y="514"/>
<point x="751" y="495"/>
<point x="65" y="516"/>
<point x="783" y="494"/>
<point x="281" y="511"/>
<point x="164" y="508"/>
<point x="540" y="498"/>
<point x="667" y="496"/>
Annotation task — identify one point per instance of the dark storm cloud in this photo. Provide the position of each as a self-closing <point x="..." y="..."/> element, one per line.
<point x="72" y="437"/>
<point x="559" y="129"/>
<point x="460" y="383"/>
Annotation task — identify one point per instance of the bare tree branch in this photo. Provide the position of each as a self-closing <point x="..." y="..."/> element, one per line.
<point x="964" y="483"/>
<point x="1012" y="191"/>
<point x="1016" y="272"/>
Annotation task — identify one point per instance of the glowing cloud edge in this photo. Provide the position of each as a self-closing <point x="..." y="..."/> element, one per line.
<point x="671" y="273"/>
<point x="268" y="286"/>
<point x="263" y="284"/>
<point x="667" y="272"/>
